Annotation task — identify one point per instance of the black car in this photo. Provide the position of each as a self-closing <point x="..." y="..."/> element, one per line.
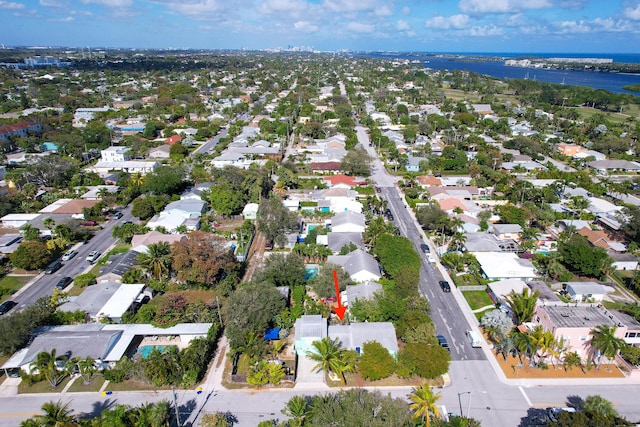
<point x="443" y="342"/>
<point x="64" y="282"/>
<point x="445" y="285"/>
<point x="425" y="248"/>
<point x="53" y="267"/>
<point x="6" y="306"/>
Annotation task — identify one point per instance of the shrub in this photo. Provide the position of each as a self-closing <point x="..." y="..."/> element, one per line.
<point x="376" y="362"/>
<point x="427" y="360"/>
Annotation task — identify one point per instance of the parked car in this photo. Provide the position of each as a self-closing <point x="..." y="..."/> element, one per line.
<point x="70" y="254"/>
<point x="268" y="245"/>
<point x="6" y="306"/>
<point x="445" y="286"/>
<point x="64" y="282"/>
<point x="53" y="267"/>
<point x="425" y="248"/>
<point x="89" y="223"/>
<point x="117" y="215"/>
<point x="554" y="412"/>
<point x="443" y="342"/>
<point x="93" y="256"/>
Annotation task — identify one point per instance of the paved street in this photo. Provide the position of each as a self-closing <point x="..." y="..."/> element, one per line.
<point x="44" y="284"/>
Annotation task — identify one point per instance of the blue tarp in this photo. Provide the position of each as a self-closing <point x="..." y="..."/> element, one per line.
<point x="272" y="334"/>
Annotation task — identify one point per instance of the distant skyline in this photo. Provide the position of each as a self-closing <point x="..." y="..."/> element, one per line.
<point x="580" y="26"/>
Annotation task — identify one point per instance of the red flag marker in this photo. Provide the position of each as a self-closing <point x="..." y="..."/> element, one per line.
<point x="340" y="309"/>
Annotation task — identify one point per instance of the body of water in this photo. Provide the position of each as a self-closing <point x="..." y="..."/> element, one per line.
<point x="613" y="82"/>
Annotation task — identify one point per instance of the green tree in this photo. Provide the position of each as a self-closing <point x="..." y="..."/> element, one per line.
<point x="523" y="304"/>
<point x="31" y="255"/>
<point x="396" y="253"/>
<point x="596" y="404"/>
<point x="56" y="414"/>
<point x="357" y="162"/>
<point x="251" y="309"/>
<point x="86" y="368"/>
<point x="323" y="284"/>
<point x="328" y="355"/>
<point x="226" y="201"/>
<point x="358" y="407"/>
<point x="424" y="404"/>
<point x="578" y="254"/>
<point x="165" y="180"/>
<point x="283" y="270"/>
<point x="46" y="365"/>
<point x="427" y="360"/>
<point x="297" y="408"/>
<point x="274" y="220"/>
<point x="157" y="260"/>
<point x="375" y="362"/>
<point x="605" y="341"/>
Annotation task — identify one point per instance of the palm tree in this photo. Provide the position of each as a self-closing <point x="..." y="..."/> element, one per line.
<point x="523" y="304"/>
<point x="458" y="240"/>
<point x="328" y="354"/>
<point x="297" y="408"/>
<point x="423" y="404"/>
<point x="86" y="368"/>
<point x="542" y="340"/>
<point x="596" y="404"/>
<point x="571" y="360"/>
<point x="606" y="342"/>
<point x="46" y="364"/>
<point x="56" y="414"/>
<point x="522" y="343"/>
<point x="157" y="260"/>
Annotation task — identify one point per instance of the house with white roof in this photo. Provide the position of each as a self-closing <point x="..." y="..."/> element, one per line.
<point x="115" y="154"/>
<point x="586" y="291"/>
<point x="355" y="335"/>
<point x="505" y="265"/>
<point x="104" y="301"/>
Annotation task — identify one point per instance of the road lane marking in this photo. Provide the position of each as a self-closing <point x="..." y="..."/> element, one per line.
<point x="525" y="396"/>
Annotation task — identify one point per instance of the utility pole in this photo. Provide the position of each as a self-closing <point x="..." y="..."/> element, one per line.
<point x="175" y="405"/>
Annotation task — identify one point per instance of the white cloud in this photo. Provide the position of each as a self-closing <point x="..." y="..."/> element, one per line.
<point x="574" y="27"/>
<point x="289" y="7"/>
<point x="11" y="5"/>
<point x="488" y="31"/>
<point x="456" y="21"/>
<point x="349" y="6"/>
<point x="358" y="27"/>
<point x="115" y="4"/>
<point x="501" y="6"/>
<point x="633" y="12"/>
<point x="305" y="26"/>
<point x="383" y="11"/>
<point x="405" y="10"/>
<point x="67" y="19"/>
<point x="206" y="10"/>
<point x="51" y="3"/>
<point x="402" y="26"/>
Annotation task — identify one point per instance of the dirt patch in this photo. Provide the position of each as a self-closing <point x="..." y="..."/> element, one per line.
<point x="511" y="370"/>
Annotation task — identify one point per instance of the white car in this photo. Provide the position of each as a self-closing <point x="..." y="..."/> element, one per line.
<point x="93" y="256"/>
<point x="69" y="255"/>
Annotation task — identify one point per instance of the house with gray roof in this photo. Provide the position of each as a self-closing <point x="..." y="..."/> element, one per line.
<point x="354" y="335"/>
<point x="360" y="291"/>
<point x="336" y="241"/>
<point x="605" y="166"/>
<point x="485" y="242"/>
<point x="587" y="291"/>
<point x="104" y="301"/>
<point x="348" y="222"/>
<point x="360" y="265"/>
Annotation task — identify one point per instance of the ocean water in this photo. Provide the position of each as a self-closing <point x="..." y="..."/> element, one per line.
<point x="494" y="66"/>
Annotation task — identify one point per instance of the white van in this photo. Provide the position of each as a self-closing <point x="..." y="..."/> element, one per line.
<point x="474" y="338"/>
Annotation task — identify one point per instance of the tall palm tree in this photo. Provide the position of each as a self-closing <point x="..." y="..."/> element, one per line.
<point x="596" y="404"/>
<point x="606" y="342"/>
<point x="157" y="260"/>
<point x="458" y="240"/>
<point x="328" y="354"/>
<point x="542" y="340"/>
<point x="423" y="404"/>
<point x="297" y="408"/>
<point x="523" y="304"/>
<point x="56" y="414"/>
<point x="86" y="368"/>
<point x="46" y="364"/>
<point x="522" y="342"/>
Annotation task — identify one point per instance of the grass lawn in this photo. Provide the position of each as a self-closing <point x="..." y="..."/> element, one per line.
<point x="477" y="299"/>
<point x="466" y="280"/>
<point x="120" y="248"/>
<point x="94" y="386"/>
<point x="9" y="285"/>
<point x="41" y="387"/>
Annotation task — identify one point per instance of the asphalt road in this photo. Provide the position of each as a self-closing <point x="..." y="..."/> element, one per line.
<point x="45" y="283"/>
<point x="445" y="312"/>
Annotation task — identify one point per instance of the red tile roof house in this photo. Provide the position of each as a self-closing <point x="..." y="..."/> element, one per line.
<point x="173" y="139"/>
<point x="341" y="180"/>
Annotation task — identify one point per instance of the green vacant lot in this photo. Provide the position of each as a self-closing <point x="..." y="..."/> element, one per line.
<point x="9" y="285"/>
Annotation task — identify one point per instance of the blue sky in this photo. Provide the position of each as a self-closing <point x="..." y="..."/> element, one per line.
<point x="581" y="26"/>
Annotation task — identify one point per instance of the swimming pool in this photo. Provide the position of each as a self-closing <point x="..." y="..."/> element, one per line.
<point x="311" y="272"/>
<point x="145" y="350"/>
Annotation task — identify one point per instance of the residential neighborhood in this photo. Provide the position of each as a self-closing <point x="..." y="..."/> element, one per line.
<point x="308" y="223"/>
